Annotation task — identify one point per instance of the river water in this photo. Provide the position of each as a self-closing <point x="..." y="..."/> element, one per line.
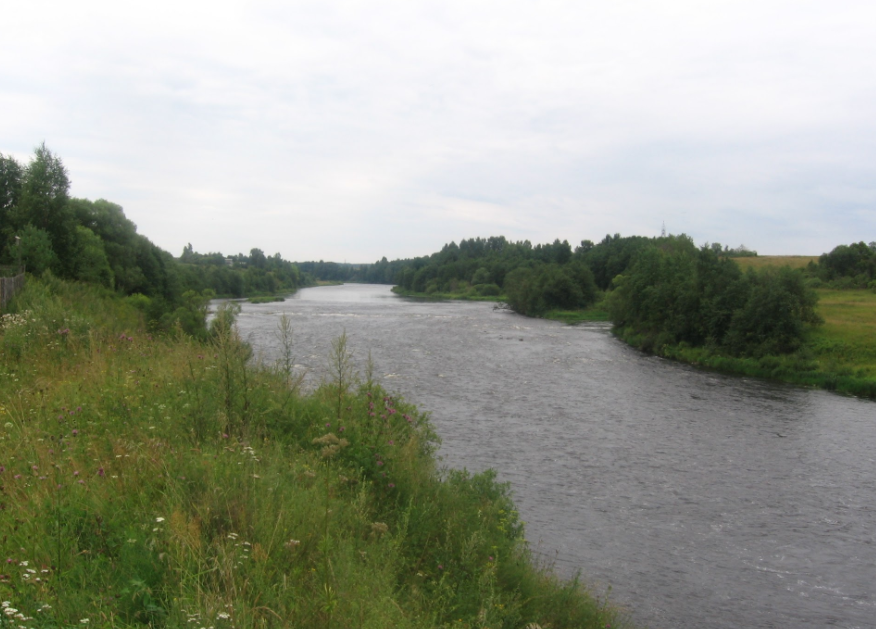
<point x="701" y="500"/>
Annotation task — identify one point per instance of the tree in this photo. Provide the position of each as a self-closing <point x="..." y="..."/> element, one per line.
<point x="774" y="316"/>
<point x="43" y="203"/>
<point x="89" y="263"/>
<point x="11" y="175"/>
<point x="257" y="258"/>
<point x="36" y="250"/>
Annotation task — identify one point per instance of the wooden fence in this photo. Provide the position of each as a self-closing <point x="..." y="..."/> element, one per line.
<point x="8" y="287"/>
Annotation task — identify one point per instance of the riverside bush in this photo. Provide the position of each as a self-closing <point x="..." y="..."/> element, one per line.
<point x="165" y="482"/>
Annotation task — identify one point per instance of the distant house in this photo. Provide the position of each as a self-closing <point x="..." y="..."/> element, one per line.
<point x="229" y="261"/>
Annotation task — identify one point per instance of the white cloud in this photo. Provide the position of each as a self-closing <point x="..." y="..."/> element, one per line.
<point x="352" y="130"/>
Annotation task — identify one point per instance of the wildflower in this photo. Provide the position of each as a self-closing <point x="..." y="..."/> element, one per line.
<point x="391" y="442"/>
<point x="223" y="615"/>
<point x="100" y="471"/>
<point x="325" y="440"/>
<point x="159" y="519"/>
<point x="75" y="432"/>
<point x="76" y="473"/>
<point x="391" y="485"/>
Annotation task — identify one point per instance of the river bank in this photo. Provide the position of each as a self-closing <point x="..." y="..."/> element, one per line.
<point x="839" y="355"/>
<point x="156" y="480"/>
<point x="597" y="312"/>
<point x="699" y="499"/>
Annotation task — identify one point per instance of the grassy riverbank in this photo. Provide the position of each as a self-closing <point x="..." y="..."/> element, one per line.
<point x="839" y="355"/>
<point x="463" y="295"/>
<point x="597" y="312"/>
<point x="156" y="481"/>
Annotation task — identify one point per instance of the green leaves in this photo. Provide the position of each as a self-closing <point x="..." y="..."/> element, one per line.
<point x="675" y="293"/>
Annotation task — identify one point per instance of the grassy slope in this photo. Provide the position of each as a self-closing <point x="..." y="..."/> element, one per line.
<point x="159" y="482"/>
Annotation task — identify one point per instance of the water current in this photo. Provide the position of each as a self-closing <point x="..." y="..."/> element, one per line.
<point x="701" y="500"/>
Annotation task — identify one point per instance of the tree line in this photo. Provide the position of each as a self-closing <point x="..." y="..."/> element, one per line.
<point x="662" y="290"/>
<point x="659" y="291"/>
<point x="44" y="229"/>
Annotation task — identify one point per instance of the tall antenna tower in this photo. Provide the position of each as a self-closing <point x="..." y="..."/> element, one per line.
<point x="663" y="230"/>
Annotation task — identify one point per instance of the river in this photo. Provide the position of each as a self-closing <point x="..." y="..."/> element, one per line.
<point x="701" y="500"/>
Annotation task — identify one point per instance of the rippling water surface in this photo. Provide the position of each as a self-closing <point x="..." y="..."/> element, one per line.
<point x="702" y="500"/>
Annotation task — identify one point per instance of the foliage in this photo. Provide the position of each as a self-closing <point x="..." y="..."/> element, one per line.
<point x="675" y="293"/>
<point x="162" y="482"/>
<point x="94" y="242"/>
<point x="35" y="249"/>
<point x="847" y="266"/>
<point x="533" y="291"/>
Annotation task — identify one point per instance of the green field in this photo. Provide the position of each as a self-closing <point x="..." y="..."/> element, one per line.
<point x="846" y="343"/>
<point x="762" y="262"/>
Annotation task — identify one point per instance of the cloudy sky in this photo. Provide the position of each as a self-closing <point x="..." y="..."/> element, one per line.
<point x="353" y="130"/>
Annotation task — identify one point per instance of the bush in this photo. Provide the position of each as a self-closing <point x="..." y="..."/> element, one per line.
<point x="487" y="290"/>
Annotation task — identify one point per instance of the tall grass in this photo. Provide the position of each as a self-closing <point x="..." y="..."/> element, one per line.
<point x="160" y="482"/>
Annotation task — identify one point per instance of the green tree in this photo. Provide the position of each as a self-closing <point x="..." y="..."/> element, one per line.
<point x="774" y="316"/>
<point x="37" y="254"/>
<point x="11" y="175"/>
<point x="43" y="203"/>
<point x="89" y="262"/>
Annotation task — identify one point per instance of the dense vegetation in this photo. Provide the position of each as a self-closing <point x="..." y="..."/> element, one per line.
<point x="674" y="293"/>
<point x="847" y="266"/>
<point x="162" y="481"/>
<point x="45" y="230"/>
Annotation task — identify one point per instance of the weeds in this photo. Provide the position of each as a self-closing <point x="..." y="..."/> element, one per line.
<point x="161" y="482"/>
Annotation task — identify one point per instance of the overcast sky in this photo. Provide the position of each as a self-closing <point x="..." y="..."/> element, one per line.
<point x="354" y="130"/>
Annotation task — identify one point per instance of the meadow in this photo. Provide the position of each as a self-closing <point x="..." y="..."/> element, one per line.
<point x="763" y="262"/>
<point x="846" y="343"/>
<point x="155" y="481"/>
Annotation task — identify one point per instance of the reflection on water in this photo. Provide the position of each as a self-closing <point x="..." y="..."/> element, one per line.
<point x="702" y="500"/>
